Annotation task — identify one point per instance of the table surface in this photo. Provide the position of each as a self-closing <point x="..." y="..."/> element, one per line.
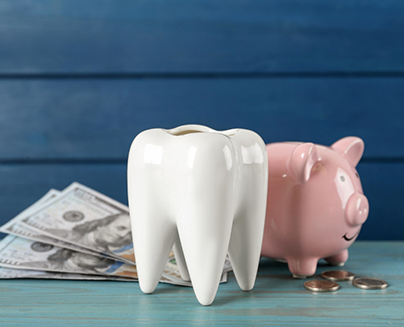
<point x="277" y="298"/>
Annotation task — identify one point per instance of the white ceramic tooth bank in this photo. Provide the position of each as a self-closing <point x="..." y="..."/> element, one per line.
<point x="204" y="192"/>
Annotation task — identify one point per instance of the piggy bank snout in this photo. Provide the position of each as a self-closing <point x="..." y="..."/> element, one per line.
<point x="357" y="209"/>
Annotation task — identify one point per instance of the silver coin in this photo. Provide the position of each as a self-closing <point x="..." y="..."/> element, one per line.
<point x="321" y="286"/>
<point x="368" y="283"/>
<point x="337" y="275"/>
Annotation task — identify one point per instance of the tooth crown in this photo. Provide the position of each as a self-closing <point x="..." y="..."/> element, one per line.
<point x="203" y="191"/>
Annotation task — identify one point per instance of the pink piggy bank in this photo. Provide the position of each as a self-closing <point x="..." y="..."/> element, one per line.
<point x="316" y="205"/>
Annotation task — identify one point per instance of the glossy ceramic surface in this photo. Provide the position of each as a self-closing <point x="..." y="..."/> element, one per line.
<point x="203" y="191"/>
<point x="316" y="205"/>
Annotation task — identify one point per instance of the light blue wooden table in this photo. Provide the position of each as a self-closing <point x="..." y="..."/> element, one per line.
<point x="277" y="299"/>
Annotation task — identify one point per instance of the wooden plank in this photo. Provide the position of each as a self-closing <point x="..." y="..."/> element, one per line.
<point x="21" y="185"/>
<point x="383" y="186"/>
<point x="92" y="118"/>
<point x="109" y="36"/>
<point x="276" y="300"/>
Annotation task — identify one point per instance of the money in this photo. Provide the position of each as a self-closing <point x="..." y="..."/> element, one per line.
<point x="16" y="252"/>
<point x="76" y="234"/>
<point x="85" y="218"/>
<point x="9" y="273"/>
<point x="14" y="228"/>
<point x="24" y="232"/>
<point x="368" y="283"/>
<point x="41" y="260"/>
<point x="337" y="275"/>
<point x="172" y="274"/>
<point x="321" y="286"/>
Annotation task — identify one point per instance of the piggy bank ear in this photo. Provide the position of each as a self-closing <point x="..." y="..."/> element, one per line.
<point x="301" y="162"/>
<point x="350" y="148"/>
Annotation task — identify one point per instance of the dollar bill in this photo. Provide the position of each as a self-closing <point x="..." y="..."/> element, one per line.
<point x="10" y="273"/>
<point x="23" y="254"/>
<point x="81" y="220"/>
<point x="172" y="273"/>
<point x="20" y="253"/>
<point x="24" y="232"/>
<point x="85" y="218"/>
<point x="14" y="228"/>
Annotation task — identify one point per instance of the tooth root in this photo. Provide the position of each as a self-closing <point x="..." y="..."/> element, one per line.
<point x="248" y="227"/>
<point x="180" y="259"/>
<point x="153" y="238"/>
<point x="245" y="248"/>
<point x="204" y="230"/>
<point x="153" y="229"/>
<point x="205" y="255"/>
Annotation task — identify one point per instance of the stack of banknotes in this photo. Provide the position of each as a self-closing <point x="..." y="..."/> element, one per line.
<point x="76" y="233"/>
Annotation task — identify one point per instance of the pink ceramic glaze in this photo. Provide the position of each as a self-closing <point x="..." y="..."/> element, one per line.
<point x="316" y="205"/>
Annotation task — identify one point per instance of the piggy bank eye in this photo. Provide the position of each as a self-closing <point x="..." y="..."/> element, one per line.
<point x="342" y="178"/>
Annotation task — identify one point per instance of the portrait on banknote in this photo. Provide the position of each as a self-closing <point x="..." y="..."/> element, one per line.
<point x="68" y="260"/>
<point x="105" y="234"/>
<point x="83" y="217"/>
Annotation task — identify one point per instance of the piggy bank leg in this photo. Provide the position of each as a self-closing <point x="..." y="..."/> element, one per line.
<point x="301" y="268"/>
<point x="338" y="259"/>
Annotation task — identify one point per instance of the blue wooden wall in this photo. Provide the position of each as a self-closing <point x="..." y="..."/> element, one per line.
<point x="79" y="79"/>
